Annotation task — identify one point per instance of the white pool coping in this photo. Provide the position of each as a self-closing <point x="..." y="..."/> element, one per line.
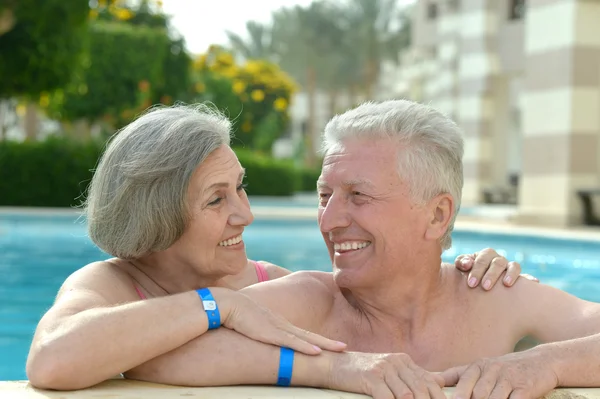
<point x="124" y="389"/>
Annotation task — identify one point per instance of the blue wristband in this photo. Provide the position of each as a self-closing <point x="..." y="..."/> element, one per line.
<point x="286" y="365"/>
<point x="210" y="307"/>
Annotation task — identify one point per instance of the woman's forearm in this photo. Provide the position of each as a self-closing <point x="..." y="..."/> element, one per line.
<point x="224" y="357"/>
<point x="96" y="344"/>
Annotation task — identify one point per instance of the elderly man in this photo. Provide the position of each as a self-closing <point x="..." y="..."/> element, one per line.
<point x="389" y="192"/>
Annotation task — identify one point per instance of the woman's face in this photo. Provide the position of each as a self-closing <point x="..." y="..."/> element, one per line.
<point x="219" y="210"/>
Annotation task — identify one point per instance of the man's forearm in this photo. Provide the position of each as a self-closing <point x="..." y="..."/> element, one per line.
<point x="576" y="362"/>
<point x="224" y="357"/>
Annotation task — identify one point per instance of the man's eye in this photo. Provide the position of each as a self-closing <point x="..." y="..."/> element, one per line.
<point x="242" y="186"/>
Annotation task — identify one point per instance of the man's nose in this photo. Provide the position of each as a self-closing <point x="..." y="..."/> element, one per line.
<point x="335" y="214"/>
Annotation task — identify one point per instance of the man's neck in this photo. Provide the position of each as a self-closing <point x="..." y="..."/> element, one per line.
<point x="401" y="306"/>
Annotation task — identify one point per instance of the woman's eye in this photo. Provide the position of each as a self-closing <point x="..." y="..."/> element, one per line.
<point x="216" y="201"/>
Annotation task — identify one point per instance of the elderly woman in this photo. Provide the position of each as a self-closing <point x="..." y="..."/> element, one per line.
<point x="168" y="202"/>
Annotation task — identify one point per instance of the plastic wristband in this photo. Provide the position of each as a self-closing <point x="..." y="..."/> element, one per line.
<point x="286" y="365"/>
<point x="210" y="307"/>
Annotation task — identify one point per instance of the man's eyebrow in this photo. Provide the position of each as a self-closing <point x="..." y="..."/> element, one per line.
<point x="348" y="183"/>
<point x="358" y="182"/>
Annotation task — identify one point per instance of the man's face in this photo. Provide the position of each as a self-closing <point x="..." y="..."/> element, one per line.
<point x="371" y="226"/>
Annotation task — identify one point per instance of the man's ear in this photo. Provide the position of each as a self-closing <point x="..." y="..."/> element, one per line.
<point x="441" y="210"/>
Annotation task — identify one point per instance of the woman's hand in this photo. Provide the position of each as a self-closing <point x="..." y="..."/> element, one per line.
<point x="488" y="266"/>
<point x="255" y="321"/>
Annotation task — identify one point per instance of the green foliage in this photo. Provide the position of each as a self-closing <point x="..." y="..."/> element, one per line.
<point x="52" y="173"/>
<point x="255" y="94"/>
<point x="57" y="171"/>
<point x="121" y="62"/>
<point x="39" y="53"/>
<point x="308" y="179"/>
<point x="267" y="176"/>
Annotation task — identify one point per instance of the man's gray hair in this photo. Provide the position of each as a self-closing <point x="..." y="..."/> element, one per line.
<point x="136" y="201"/>
<point x="432" y="146"/>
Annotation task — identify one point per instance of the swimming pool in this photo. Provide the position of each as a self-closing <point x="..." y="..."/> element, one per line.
<point x="37" y="253"/>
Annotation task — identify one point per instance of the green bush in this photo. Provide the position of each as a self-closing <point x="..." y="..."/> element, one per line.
<point x="268" y="176"/>
<point x="57" y="171"/>
<point x="51" y="173"/>
<point x="308" y="179"/>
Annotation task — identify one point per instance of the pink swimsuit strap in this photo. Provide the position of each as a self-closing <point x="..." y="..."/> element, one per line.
<point x="140" y="293"/>
<point x="261" y="272"/>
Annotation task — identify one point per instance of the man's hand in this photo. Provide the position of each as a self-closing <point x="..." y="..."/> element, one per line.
<point x="383" y="376"/>
<point x="521" y="375"/>
<point x="489" y="266"/>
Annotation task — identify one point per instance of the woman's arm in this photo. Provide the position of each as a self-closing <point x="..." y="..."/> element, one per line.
<point x="88" y="337"/>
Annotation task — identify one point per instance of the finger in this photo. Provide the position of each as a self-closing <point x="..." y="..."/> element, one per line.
<point x="398" y="388"/>
<point x="482" y="262"/>
<point x="464" y="262"/>
<point x="416" y="385"/>
<point x="287" y="339"/>
<point x="319" y="340"/>
<point x="381" y="391"/>
<point x="520" y="393"/>
<point x="497" y="267"/>
<point x="486" y="383"/>
<point x="530" y="277"/>
<point x="512" y="273"/>
<point x="502" y="390"/>
<point x="452" y="375"/>
<point x="468" y="379"/>
<point x="435" y="391"/>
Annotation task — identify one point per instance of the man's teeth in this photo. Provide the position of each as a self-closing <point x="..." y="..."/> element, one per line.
<point x="231" y="241"/>
<point x="346" y="246"/>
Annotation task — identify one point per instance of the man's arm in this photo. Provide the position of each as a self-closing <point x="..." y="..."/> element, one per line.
<point x="571" y="329"/>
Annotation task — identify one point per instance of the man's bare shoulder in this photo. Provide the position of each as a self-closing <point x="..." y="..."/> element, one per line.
<point x="304" y="297"/>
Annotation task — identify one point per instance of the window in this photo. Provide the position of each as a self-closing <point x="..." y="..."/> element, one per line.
<point x="517" y="9"/>
<point x="432" y="10"/>
<point x="454" y="5"/>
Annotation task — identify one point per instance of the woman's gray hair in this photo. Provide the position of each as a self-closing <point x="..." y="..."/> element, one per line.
<point x="432" y="146"/>
<point x="136" y="201"/>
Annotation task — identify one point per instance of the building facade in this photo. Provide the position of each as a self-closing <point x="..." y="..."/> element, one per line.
<point x="522" y="78"/>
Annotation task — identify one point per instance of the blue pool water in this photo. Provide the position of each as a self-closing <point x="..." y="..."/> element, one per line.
<point x="37" y="253"/>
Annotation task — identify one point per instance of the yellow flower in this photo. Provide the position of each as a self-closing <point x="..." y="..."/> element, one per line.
<point x="239" y="87"/>
<point x="93" y="14"/>
<point x="200" y="62"/>
<point x="257" y="95"/>
<point x="246" y="126"/>
<point x="44" y="100"/>
<point x="102" y="3"/>
<point x="252" y="67"/>
<point x="229" y="72"/>
<point x="225" y="59"/>
<point x="20" y="109"/>
<point x="159" y="3"/>
<point x="200" y="87"/>
<point x="280" y="104"/>
<point x="123" y="14"/>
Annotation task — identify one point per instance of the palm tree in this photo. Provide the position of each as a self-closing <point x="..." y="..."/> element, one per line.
<point x="259" y="44"/>
<point x="380" y="30"/>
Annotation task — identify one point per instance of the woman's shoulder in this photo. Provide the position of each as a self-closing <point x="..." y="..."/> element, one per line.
<point x="107" y="279"/>
<point x="273" y="271"/>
